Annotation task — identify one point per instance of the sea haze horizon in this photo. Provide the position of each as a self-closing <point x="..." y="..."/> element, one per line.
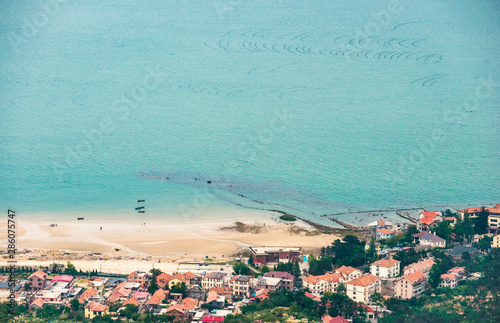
<point x="305" y="109"/>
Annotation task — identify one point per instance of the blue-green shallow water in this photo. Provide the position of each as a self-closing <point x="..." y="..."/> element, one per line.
<point x="308" y="107"/>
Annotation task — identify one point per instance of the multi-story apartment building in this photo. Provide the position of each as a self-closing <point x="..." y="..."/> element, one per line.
<point x="410" y="285"/>
<point x="386" y="268"/>
<point x="360" y="289"/>
<point x="349" y="273"/>
<point x="287" y="279"/>
<point x="241" y="285"/>
<point x="37" y="280"/>
<point x="323" y="283"/>
<point x="213" y="280"/>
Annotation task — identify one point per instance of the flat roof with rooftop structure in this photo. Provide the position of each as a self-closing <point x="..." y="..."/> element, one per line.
<point x="266" y="250"/>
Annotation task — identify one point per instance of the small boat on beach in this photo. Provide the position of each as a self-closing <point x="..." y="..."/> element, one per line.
<point x="80" y="219"/>
<point x="141" y="200"/>
<point x="139" y="208"/>
<point x="142" y="211"/>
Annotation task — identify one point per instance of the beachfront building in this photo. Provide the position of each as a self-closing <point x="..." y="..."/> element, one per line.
<point x="37" y="280"/>
<point x="429" y="239"/>
<point x="266" y="255"/>
<point x="385" y="268"/>
<point x="240" y="284"/>
<point x="448" y="281"/>
<point x="360" y="289"/>
<point x="423" y="266"/>
<point x="323" y="283"/>
<point x="496" y="241"/>
<point x="493" y="222"/>
<point x="212" y="280"/>
<point x="411" y="285"/>
<point x="349" y="273"/>
<point x="431" y="215"/>
<point x="383" y="233"/>
<point x="472" y="211"/>
<point x="94" y="309"/>
<point x="287" y="279"/>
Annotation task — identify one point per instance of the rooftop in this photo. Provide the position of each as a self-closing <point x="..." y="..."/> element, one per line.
<point x="429" y="237"/>
<point x="364" y="280"/>
<point x="266" y="250"/>
<point x="386" y="262"/>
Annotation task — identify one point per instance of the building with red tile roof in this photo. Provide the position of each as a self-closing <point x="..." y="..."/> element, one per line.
<point x="179" y="311"/>
<point x="37" y="280"/>
<point x="37" y="303"/>
<point x="423" y="266"/>
<point x="430" y="214"/>
<point x="132" y="300"/>
<point x="158" y="297"/>
<point x="349" y="273"/>
<point x="312" y="296"/>
<point x="360" y="289"/>
<point x="225" y="291"/>
<point x="337" y="319"/>
<point x="190" y="303"/>
<point x="88" y="293"/>
<point x="384" y="233"/>
<point x="410" y="285"/>
<point x="163" y="279"/>
<point x="386" y="268"/>
<point x="448" y="281"/>
<point x="323" y="283"/>
<point x="94" y="309"/>
<point x="262" y="294"/>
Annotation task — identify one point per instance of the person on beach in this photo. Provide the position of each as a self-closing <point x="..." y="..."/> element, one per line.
<point x="100" y="229"/>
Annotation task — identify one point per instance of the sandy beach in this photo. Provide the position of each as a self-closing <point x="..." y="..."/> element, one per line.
<point x="164" y="243"/>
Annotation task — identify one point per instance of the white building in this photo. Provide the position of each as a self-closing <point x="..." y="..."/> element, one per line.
<point x="360" y="289"/>
<point x="386" y="268"/>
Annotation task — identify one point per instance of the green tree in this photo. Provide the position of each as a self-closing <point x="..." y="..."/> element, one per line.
<point x="337" y="304"/>
<point x="153" y="285"/>
<point x="481" y="222"/>
<point x="296" y="270"/>
<point x="74" y="305"/>
<point x="341" y="289"/>
<point x="250" y="260"/>
<point x="435" y="275"/>
<point x="70" y="268"/>
<point x="179" y="288"/>
<point x="242" y="269"/>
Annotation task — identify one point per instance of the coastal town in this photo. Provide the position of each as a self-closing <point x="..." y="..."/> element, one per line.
<point x="444" y="258"/>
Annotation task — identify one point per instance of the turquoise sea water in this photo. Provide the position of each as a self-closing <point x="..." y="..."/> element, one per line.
<point x="308" y="107"/>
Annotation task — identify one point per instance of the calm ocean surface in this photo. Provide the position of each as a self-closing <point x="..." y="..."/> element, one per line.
<point x="307" y="107"/>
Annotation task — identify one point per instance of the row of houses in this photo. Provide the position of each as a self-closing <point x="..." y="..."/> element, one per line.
<point x="214" y="288"/>
<point x="383" y="273"/>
